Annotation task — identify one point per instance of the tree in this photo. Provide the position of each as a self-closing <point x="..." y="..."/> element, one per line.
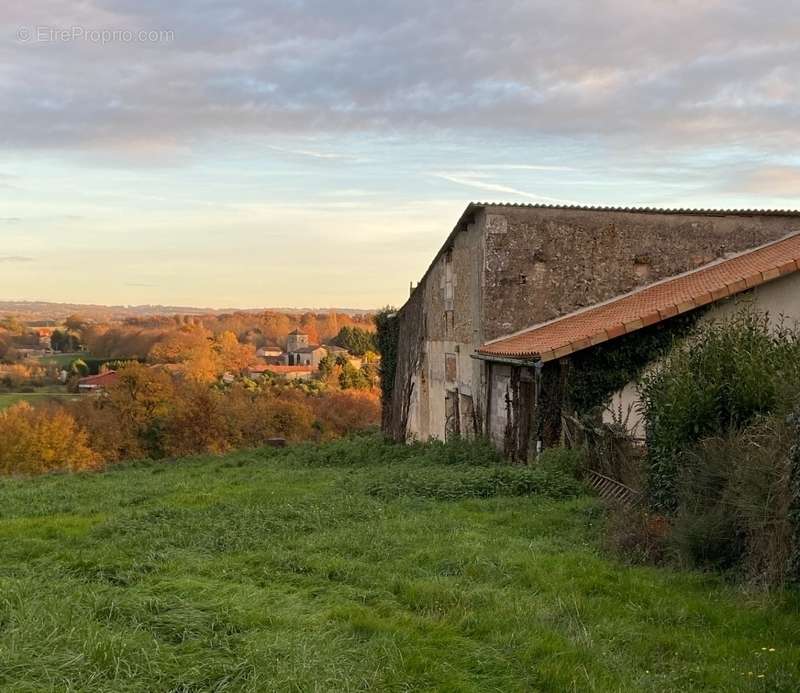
<point x="64" y="341"/>
<point x="356" y="340"/>
<point x="79" y="368"/>
<point x="140" y="399"/>
<point x="75" y="323"/>
<point x="233" y="356"/>
<point x="38" y="440"/>
<point x="353" y="378"/>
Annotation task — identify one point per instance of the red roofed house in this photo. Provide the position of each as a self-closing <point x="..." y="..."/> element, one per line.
<point x="289" y="372"/>
<point x="97" y="383"/>
<point x="517" y="290"/>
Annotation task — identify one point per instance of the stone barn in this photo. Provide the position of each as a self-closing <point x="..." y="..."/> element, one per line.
<point x="517" y="292"/>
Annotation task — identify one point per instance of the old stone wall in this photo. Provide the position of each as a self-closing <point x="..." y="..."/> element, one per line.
<point x="438" y="383"/>
<point x="543" y="263"/>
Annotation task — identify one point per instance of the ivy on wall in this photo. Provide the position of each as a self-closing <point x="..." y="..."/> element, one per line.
<point x="387" y="337"/>
<point x="597" y="373"/>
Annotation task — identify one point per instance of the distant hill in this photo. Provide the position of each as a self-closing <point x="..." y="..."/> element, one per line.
<point x="44" y="310"/>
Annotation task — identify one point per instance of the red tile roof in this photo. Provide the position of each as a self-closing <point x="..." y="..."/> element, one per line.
<point x="94" y="382"/>
<point x="650" y="304"/>
<point x="281" y="370"/>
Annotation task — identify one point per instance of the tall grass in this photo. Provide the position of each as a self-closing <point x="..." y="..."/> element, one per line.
<point x="280" y="570"/>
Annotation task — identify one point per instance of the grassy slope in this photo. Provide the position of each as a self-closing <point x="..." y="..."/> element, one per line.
<point x="9" y="398"/>
<point x="261" y="571"/>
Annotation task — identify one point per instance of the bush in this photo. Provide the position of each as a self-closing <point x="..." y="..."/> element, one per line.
<point x="719" y="380"/>
<point x="568" y="461"/>
<point x="734" y="503"/>
<point x="637" y="536"/>
<point x="43" y="439"/>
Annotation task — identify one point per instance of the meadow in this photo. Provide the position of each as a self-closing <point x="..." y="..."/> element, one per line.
<point x="357" y="565"/>
<point x="40" y="395"/>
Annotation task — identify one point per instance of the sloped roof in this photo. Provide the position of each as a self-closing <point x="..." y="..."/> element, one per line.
<point x="282" y="370"/>
<point x="650" y="304"/>
<point x="101" y="380"/>
<point x="310" y="349"/>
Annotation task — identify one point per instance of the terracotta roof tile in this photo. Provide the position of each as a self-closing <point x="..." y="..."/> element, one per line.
<point x="100" y="380"/>
<point x="650" y="304"/>
<point x="281" y="370"/>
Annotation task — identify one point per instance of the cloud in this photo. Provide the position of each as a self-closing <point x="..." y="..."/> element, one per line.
<point x="671" y="74"/>
<point x="471" y="182"/>
<point x="15" y="258"/>
<point x="774" y="181"/>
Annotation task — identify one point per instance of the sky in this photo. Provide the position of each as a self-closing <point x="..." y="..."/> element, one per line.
<point x="316" y="153"/>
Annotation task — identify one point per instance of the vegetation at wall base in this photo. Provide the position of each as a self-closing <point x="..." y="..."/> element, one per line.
<point x="277" y="569"/>
<point x="720" y="380"/>
<point x="720" y="464"/>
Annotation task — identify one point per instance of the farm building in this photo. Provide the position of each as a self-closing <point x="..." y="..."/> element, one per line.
<point x="518" y="292"/>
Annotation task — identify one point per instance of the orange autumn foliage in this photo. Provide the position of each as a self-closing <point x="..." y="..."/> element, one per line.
<point x="44" y="439"/>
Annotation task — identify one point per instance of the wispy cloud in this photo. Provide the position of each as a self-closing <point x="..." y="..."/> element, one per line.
<point x="499" y="188"/>
<point x="524" y="167"/>
<point x="15" y="258"/>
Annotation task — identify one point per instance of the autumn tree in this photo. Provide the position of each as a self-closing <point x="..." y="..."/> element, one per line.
<point x="233" y="356"/>
<point x="140" y="399"/>
<point x="43" y="439"/>
<point x="193" y="349"/>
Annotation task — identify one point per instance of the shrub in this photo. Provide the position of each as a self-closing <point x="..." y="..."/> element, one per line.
<point x="568" y="461"/>
<point x="637" y="536"/>
<point x="43" y="439"/>
<point x="343" y="412"/>
<point x="734" y="503"/>
<point x="719" y="380"/>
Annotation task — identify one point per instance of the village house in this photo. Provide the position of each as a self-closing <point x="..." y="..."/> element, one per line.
<point x="97" y="383"/>
<point x="270" y="353"/>
<point x="516" y="291"/>
<point x="300" y="353"/>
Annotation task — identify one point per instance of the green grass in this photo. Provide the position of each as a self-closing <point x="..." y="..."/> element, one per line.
<point x="63" y="360"/>
<point x="355" y="566"/>
<point x="9" y="398"/>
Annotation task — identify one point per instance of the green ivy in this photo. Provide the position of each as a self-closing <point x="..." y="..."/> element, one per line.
<point x="597" y="373"/>
<point x="387" y="336"/>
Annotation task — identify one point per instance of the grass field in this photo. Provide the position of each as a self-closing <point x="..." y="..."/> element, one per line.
<point x="9" y="398"/>
<point x="63" y="360"/>
<point x="355" y="566"/>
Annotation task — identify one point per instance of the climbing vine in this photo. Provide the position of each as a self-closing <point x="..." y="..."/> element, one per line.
<point x="387" y="338"/>
<point x="597" y="373"/>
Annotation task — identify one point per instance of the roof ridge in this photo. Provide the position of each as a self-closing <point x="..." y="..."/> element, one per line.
<point x="644" y="210"/>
